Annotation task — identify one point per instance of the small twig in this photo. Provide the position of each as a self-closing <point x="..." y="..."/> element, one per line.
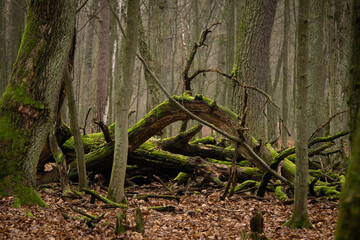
<point x="162" y="183"/>
<point x="187" y="186"/>
<point x="131" y="113"/>
<point x="208" y="70"/>
<point x="83" y="5"/>
<point x="86" y="118"/>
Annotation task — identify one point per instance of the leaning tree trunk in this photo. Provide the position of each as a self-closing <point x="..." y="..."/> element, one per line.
<point x="28" y="106"/>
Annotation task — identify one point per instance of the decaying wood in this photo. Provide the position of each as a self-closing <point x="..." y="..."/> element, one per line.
<point x="91" y="220"/>
<point x="167" y="113"/>
<point x="149" y="157"/>
<point x="140" y="226"/>
<point x="147" y="196"/>
<point x="180" y="144"/>
<point x="103" y="199"/>
<point x="120" y="226"/>
<point x="266" y="178"/>
<point x="105" y="131"/>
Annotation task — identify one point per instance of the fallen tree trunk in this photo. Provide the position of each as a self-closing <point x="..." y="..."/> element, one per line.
<point x="167" y="113"/>
<point x="151" y="158"/>
<point x="180" y="144"/>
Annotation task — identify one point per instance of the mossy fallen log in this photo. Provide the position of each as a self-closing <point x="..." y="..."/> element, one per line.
<point x="150" y="158"/>
<point x="180" y="144"/>
<point x="167" y="113"/>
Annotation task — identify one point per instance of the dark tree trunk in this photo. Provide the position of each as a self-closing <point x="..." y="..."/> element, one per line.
<point x="28" y="106"/>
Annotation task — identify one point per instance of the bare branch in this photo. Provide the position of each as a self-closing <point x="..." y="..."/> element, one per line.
<point x="316" y="132"/>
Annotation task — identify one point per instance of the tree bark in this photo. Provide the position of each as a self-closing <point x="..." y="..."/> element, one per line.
<point x="349" y="215"/>
<point x="285" y="89"/>
<point x="116" y="187"/>
<point x="230" y="48"/>
<point x="250" y="62"/>
<point x="75" y="131"/>
<point x="316" y="101"/>
<point x="3" y="73"/>
<point x="104" y="59"/>
<point x="300" y="217"/>
<point x="28" y="106"/>
<point x="14" y="30"/>
<point x="153" y="90"/>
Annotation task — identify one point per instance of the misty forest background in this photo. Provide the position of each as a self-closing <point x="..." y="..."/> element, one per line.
<point x="170" y="30"/>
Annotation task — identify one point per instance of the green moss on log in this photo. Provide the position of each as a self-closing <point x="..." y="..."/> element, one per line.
<point x="181" y="177"/>
<point x="279" y="192"/>
<point x="251" y="171"/>
<point x="327" y="191"/>
<point x="246" y="185"/>
<point x="204" y="140"/>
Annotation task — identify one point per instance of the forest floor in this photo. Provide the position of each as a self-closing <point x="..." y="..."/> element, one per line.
<point x="200" y="215"/>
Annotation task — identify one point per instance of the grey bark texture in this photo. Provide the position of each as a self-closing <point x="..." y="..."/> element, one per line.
<point x="300" y="217"/>
<point x="251" y="61"/>
<point x="117" y="180"/>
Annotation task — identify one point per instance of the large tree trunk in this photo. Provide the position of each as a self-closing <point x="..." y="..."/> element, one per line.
<point x="250" y="62"/>
<point x="3" y="72"/>
<point x="153" y="95"/>
<point x="102" y="88"/>
<point x="28" y="106"/>
<point x="316" y="101"/>
<point x="349" y="214"/>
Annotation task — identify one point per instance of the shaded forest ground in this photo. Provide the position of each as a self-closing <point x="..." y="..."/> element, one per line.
<point x="198" y="215"/>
